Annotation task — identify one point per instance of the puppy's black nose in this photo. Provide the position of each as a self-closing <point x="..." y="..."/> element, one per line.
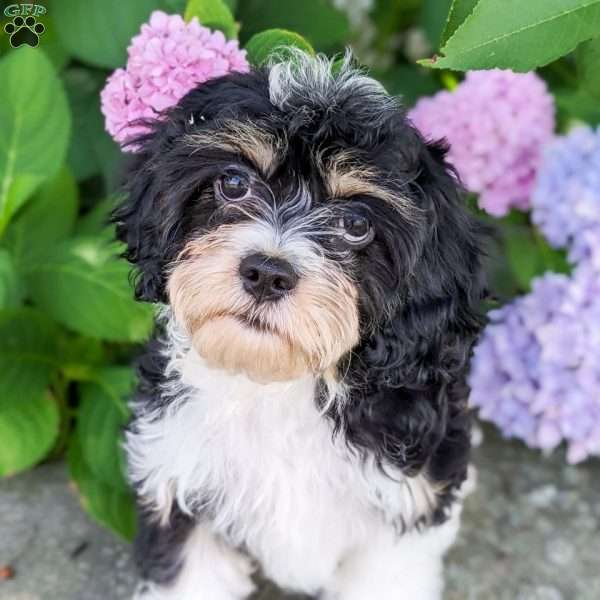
<point x="267" y="278"/>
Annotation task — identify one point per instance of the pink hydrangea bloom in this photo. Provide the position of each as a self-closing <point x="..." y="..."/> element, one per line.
<point x="496" y="123"/>
<point x="166" y="60"/>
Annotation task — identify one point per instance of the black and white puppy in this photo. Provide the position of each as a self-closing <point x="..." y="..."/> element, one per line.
<point x="302" y="409"/>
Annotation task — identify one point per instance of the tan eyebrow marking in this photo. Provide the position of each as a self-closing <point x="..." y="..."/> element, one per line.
<point x="261" y="148"/>
<point x="346" y="177"/>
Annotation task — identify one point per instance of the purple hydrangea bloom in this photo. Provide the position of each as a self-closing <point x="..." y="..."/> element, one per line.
<point x="566" y="198"/>
<point x="535" y="372"/>
<point x="496" y="123"/>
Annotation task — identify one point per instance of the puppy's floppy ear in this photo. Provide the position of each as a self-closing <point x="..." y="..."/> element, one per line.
<point x="428" y="339"/>
<point x="409" y="400"/>
<point x="138" y="225"/>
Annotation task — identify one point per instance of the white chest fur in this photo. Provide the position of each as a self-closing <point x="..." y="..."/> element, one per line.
<point x="264" y="465"/>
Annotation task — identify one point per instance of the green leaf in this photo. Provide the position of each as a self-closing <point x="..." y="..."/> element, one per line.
<point x="529" y="255"/>
<point x="28" y="354"/>
<point x="214" y="14"/>
<point x="174" y="6"/>
<point x="521" y="252"/>
<point x="35" y="124"/>
<point x="48" y="218"/>
<point x="28" y="430"/>
<point x="409" y="82"/>
<point x="85" y="286"/>
<point x="92" y="150"/>
<point x="578" y="104"/>
<point x="52" y="45"/>
<point x="263" y="45"/>
<point x="518" y="35"/>
<point x="81" y="356"/>
<point x="326" y="28"/>
<point x="107" y="504"/>
<point x="588" y="67"/>
<point x="96" y="220"/>
<point x="19" y="187"/>
<point x="433" y="17"/>
<point x="102" y="415"/>
<point x="459" y="12"/>
<point x="10" y="286"/>
<point x="553" y="259"/>
<point x="99" y="31"/>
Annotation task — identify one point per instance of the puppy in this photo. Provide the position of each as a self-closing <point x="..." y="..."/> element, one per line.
<point x="302" y="409"/>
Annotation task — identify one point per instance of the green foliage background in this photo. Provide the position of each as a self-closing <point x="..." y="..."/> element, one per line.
<point x="68" y="324"/>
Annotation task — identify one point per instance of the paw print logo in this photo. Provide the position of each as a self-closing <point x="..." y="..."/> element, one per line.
<point x="24" y="31"/>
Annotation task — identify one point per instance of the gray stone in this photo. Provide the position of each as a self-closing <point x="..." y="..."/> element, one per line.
<point x="530" y="532"/>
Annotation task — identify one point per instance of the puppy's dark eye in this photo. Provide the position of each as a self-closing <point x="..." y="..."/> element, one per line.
<point x="234" y="186"/>
<point x="356" y="230"/>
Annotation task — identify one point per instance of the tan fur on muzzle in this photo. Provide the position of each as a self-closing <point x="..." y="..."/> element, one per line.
<point x="305" y="332"/>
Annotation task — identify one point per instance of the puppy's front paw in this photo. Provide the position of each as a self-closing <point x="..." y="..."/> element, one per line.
<point x="145" y="591"/>
<point x="470" y="483"/>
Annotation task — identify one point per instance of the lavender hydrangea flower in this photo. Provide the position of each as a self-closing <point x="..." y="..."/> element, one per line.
<point x="166" y="60"/>
<point x="535" y="372"/>
<point x="566" y="199"/>
<point x="496" y="123"/>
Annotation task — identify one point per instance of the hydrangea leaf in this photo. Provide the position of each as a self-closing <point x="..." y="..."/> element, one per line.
<point x="102" y="415"/>
<point x="28" y="354"/>
<point x="92" y="150"/>
<point x="517" y="35"/>
<point x="85" y="286"/>
<point x="16" y="189"/>
<point x="432" y="18"/>
<point x="588" y="67"/>
<point x="263" y="45"/>
<point x="109" y="505"/>
<point x="459" y="12"/>
<point x="174" y="6"/>
<point x="35" y="125"/>
<point x="28" y="430"/>
<point x="81" y="356"/>
<point x="324" y="26"/>
<point x="99" y="31"/>
<point x="579" y="104"/>
<point x="214" y="14"/>
<point x="410" y="83"/>
<point x="52" y="45"/>
<point x="10" y="286"/>
<point x="96" y="220"/>
<point x="48" y="218"/>
<point x="529" y="255"/>
<point x="522" y="254"/>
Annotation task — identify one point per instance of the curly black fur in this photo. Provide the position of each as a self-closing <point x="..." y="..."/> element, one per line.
<point x="157" y="548"/>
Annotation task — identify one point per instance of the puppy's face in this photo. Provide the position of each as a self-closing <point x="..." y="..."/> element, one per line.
<point x="283" y="216"/>
<point x="269" y="279"/>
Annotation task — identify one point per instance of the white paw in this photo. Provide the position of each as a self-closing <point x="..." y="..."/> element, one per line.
<point x="470" y="483"/>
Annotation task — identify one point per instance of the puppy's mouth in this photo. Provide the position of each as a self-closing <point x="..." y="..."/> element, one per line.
<point x="242" y="343"/>
<point x="254" y="322"/>
<point x="250" y="322"/>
